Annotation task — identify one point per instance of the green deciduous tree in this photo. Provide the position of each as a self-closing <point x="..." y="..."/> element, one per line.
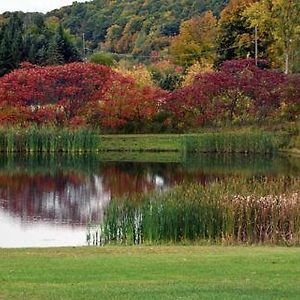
<point x="102" y="58"/>
<point x="280" y="21"/>
<point x="235" y="37"/>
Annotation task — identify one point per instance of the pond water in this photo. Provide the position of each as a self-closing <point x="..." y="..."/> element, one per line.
<point x="51" y="200"/>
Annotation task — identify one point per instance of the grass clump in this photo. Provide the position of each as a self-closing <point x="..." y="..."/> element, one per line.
<point x="47" y="139"/>
<point x="232" y="142"/>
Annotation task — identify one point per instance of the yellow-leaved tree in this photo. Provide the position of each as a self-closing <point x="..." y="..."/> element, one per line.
<point x="194" y="70"/>
<point x="280" y="21"/>
<point x="139" y="73"/>
<point x="196" y="41"/>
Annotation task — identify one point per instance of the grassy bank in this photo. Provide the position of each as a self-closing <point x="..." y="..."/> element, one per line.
<point x="142" y="142"/>
<point x="227" y="142"/>
<point x="294" y="146"/>
<point x="63" y="140"/>
<point x="150" y="273"/>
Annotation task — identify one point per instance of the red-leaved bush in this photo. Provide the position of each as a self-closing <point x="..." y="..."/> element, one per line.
<point x="83" y="94"/>
<point x="56" y="88"/>
<point x="130" y="104"/>
<point x="239" y="92"/>
<point x="74" y="94"/>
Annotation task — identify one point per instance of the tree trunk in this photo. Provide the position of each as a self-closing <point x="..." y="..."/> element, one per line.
<point x="286" y="63"/>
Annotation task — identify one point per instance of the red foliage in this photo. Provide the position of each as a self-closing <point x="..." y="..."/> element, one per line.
<point x="46" y="115"/>
<point x="125" y="102"/>
<point x="292" y="89"/>
<point x="67" y="87"/>
<point x="82" y="94"/>
<point x="27" y="65"/>
<point x="239" y="88"/>
<point x="13" y="115"/>
<point x="76" y="94"/>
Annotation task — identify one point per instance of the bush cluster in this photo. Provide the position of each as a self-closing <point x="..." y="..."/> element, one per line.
<point x="86" y="94"/>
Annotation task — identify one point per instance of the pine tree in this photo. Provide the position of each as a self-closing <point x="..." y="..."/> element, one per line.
<point x="54" y="55"/>
<point x="11" y="46"/>
<point x="61" y="50"/>
<point x="36" y="41"/>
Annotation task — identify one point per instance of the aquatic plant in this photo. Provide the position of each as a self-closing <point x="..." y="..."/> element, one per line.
<point x="252" y="211"/>
<point x="232" y="142"/>
<point x="47" y="139"/>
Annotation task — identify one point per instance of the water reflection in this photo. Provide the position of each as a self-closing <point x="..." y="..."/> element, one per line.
<point x="37" y="233"/>
<point x="59" y="197"/>
<point x="49" y="200"/>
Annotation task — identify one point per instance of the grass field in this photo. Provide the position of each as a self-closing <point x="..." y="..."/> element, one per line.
<point x="180" y="272"/>
<point x="147" y="142"/>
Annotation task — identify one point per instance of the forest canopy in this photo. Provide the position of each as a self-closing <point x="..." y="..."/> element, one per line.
<point x="188" y="34"/>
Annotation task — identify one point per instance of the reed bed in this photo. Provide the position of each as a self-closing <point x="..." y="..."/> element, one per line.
<point x="51" y="139"/>
<point x="41" y="140"/>
<point x="232" y="142"/>
<point x="256" y="211"/>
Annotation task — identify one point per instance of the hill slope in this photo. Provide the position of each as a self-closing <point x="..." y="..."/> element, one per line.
<point x="132" y="26"/>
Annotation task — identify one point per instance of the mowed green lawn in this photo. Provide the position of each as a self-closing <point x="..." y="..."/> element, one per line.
<point x="151" y="273"/>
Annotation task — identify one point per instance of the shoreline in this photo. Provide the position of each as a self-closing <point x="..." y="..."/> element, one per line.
<point x="53" y="140"/>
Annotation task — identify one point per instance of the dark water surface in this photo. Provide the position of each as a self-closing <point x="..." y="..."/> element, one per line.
<point x="51" y="200"/>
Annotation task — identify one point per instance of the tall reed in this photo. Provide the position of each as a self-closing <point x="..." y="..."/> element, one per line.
<point x="47" y="139"/>
<point x="237" y="211"/>
<point x="232" y="142"/>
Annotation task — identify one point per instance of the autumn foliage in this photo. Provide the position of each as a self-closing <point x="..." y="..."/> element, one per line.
<point x="83" y="94"/>
<point x="54" y="94"/>
<point x="239" y="93"/>
<point x="126" y="106"/>
<point x="74" y="94"/>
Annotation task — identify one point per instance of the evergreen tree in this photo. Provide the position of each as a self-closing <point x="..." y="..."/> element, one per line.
<point x="11" y="46"/>
<point x="61" y="49"/>
<point x="36" y="41"/>
<point x="54" y="55"/>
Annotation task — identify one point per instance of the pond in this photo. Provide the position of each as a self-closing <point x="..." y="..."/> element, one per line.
<point x="50" y="200"/>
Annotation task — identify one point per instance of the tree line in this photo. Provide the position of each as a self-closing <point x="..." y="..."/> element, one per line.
<point x="36" y="40"/>
<point x="174" y="39"/>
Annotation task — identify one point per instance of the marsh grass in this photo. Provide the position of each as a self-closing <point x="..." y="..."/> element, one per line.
<point x="255" y="211"/>
<point x="238" y="141"/>
<point x="47" y="139"/>
<point x="232" y="142"/>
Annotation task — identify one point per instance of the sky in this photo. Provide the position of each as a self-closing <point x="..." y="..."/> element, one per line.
<point x="33" y="5"/>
